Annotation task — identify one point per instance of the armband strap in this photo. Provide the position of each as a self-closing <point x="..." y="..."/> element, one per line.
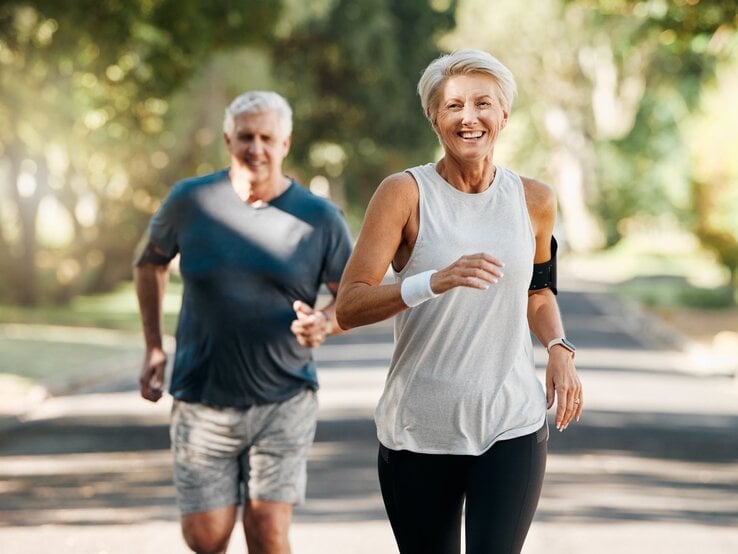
<point x="417" y="288"/>
<point x="150" y="254"/>
<point x="544" y="274"/>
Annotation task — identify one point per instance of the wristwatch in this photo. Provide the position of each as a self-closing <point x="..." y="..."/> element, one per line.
<point x="563" y="341"/>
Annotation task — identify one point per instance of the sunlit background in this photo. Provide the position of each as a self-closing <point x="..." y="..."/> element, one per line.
<point x="627" y="108"/>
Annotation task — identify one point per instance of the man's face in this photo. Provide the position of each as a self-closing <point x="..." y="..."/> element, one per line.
<point x="257" y="146"/>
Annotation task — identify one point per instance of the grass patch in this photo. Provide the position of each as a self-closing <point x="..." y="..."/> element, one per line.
<point x="50" y="342"/>
<point x="43" y="359"/>
<point x="114" y="310"/>
<point x="659" y="270"/>
<point x="673" y="293"/>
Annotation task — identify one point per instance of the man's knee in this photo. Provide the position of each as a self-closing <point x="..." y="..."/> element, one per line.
<point x="209" y="532"/>
<point x="267" y="524"/>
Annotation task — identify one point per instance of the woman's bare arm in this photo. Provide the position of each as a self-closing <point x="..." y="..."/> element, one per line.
<point x="362" y="299"/>
<point x="544" y="318"/>
<point x="389" y="233"/>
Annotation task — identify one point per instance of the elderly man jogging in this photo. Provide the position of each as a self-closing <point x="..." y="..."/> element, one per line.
<point x="255" y="247"/>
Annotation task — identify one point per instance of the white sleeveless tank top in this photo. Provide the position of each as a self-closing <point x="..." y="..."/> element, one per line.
<point x="462" y="374"/>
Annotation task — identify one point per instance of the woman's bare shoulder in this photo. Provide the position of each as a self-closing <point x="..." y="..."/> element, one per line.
<point x="540" y="197"/>
<point x="398" y="188"/>
<point x="399" y="182"/>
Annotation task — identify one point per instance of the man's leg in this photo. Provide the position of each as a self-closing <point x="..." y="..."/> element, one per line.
<point x="266" y="525"/>
<point x="276" y="466"/>
<point x="209" y="532"/>
<point x="206" y="443"/>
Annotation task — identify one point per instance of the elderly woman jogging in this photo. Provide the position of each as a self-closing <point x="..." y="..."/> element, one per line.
<point x="462" y="418"/>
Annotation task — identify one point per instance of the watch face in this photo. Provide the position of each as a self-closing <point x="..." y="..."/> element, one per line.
<point x="568" y="344"/>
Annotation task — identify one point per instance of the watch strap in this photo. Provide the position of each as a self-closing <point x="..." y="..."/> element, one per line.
<point x="563" y="342"/>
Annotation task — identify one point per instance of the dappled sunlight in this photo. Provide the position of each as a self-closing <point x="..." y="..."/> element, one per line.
<point x="114" y="489"/>
<point x="654" y="453"/>
<point x="90" y="488"/>
<point x="632" y="487"/>
<point x="108" y="408"/>
<point x="85" y="464"/>
<point x="626" y="109"/>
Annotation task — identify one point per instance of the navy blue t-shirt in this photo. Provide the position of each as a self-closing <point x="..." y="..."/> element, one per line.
<point x="242" y="268"/>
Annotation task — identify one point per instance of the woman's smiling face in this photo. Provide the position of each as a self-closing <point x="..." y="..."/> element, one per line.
<point x="470" y="115"/>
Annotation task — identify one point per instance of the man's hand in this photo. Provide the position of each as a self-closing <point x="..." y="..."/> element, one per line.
<point x="311" y="326"/>
<point x="152" y="374"/>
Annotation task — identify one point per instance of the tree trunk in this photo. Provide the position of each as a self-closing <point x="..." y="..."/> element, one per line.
<point x="571" y="167"/>
<point x="23" y="273"/>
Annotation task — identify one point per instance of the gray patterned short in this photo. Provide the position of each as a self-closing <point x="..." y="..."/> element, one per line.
<point x="223" y="455"/>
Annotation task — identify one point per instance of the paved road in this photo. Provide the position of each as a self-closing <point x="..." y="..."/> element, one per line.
<point x="650" y="468"/>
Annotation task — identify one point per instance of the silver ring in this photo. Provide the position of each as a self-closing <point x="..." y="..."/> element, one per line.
<point x="577" y="401"/>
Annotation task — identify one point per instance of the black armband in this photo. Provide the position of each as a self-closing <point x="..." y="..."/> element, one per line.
<point x="544" y="274"/>
<point x="147" y="253"/>
<point x="151" y="255"/>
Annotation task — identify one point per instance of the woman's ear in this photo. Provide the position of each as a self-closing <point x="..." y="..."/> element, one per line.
<point x="430" y="117"/>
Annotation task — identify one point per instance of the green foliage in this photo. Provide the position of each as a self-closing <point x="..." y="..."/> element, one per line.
<point x="646" y="173"/>
<point x="43" y="359"/>
<point x="715" y="175"/>
<point x="687" y="37"/>
<point x="606" y="86"/>
<point x="106" y="103"/>
<point x="670" y="292"/>
<point x="86" y="98"/>
<point x="117" y="309"/>
<point x="720" y="238"/>
<point x="351" y="75"/>
<point x="98" y="332"/>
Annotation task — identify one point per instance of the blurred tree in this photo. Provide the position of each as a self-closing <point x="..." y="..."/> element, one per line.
<point x="86" y="89"/>
<point x="604" y="86"/>
<point x="687" y="40"/>
<point x="647" y="169"/>
<point x="350" y="69"/>
<point x="714" y="144"/>
<point x="551" y="130"/>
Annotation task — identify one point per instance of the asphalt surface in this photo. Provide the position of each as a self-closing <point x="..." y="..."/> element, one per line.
<point x="652" y="467"/>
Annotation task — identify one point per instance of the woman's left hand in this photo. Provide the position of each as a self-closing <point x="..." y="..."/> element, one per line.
<point x="563" y="384"/>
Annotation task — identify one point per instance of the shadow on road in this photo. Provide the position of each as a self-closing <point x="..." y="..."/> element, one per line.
<point x="620" y="463"/>
<point x="86" y="471"/>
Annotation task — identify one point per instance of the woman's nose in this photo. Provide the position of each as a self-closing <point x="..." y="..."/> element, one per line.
<point x="469" y="114"/>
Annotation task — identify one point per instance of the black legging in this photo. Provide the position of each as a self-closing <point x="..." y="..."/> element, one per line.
<point x="424" y="495"/>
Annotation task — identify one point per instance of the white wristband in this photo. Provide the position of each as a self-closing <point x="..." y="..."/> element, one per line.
<point x="417" y="288"/>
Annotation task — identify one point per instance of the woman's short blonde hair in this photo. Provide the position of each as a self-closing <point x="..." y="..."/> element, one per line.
<point x="463" y="62"/>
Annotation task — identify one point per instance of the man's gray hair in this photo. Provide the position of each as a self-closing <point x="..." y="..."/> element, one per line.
<point x="463" y="62"/>
<point x="258" y="101"/>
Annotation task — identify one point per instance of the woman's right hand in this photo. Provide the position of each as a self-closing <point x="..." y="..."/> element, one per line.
<point x="477" y="271"/>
